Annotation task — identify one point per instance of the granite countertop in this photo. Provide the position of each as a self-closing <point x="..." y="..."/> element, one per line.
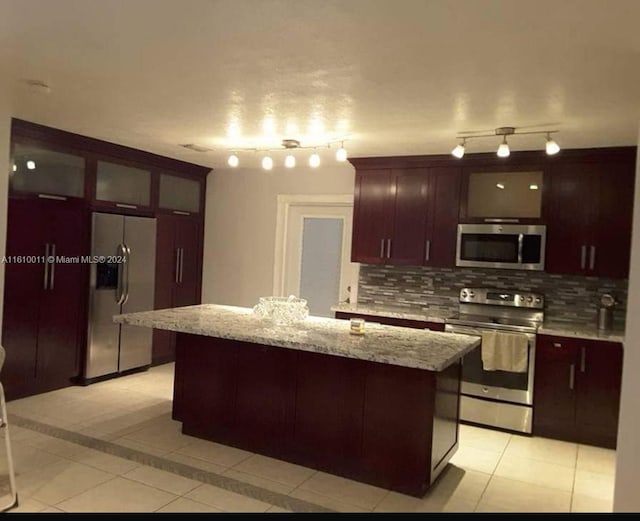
<point x="580" y="330"/>
<point x="416" y="348"/>
<point x="391" y="312"/>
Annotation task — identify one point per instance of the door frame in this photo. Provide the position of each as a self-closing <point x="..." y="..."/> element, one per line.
<point x="285" y="203"/>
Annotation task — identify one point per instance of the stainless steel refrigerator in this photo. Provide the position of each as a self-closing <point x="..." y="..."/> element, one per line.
<point x="122" y="281"/>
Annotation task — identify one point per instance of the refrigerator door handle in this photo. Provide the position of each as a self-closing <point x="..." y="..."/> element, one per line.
<point x="120" y="287"/>
<point x="181" y="263"/>
<point x="127" y="257"/>
<point x="46" y="267"/>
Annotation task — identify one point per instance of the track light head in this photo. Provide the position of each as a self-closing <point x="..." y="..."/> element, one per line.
<point x="503" y="149"/>
<point x="551" y="147"/>
<point x="458" y="151"/>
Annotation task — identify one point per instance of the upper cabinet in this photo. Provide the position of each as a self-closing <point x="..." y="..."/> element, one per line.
<point x="46" y="172"/>
<point x="54" y="164"/>
<point x="180" y="194"/>
<point x="502" y="196"/>
<point x="123" y="186"/>
<point x="406" y="216"/>
<point x="589" y="215"/>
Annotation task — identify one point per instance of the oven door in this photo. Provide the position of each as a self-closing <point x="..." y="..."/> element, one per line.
<point x="495" y="385"/>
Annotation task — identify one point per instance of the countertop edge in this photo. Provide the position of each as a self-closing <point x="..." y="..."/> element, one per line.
<point x="364" y="310"/>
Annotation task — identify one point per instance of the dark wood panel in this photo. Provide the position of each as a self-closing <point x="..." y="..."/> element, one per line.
<point x="408" y="235"/>
<point x="164" y="342"/>
<point x="372" y="223"/>
<point x="570" y="203"/>
<point x="554" y="400"/>
<point x="264" y="398"/>
<point x="612" y="226"/>
<point x="23" y="282"/>
<point x="444" y="203"/>
<point x="208" y="387"/>
<point x="598" y="384"/>
<point x="62" y="319"/>
<point x="186" y="292"/>
<point x="396" y="433"/>
<point x="327" y="432"/>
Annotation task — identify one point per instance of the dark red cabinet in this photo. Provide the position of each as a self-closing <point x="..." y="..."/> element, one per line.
<point x="577" y="390"/>
<point x="590" y="208"/>
<point x="406" y="216"/>
<point x="178" y="273"/>
<point x="44" y="302"/>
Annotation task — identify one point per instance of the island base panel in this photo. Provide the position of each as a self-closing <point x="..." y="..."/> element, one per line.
<point x="390" y="426"/>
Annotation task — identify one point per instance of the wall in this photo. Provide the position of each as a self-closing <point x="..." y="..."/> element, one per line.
<point x="240" y="225"/>
<point x="5" y="136"/>
<point x="626" y="497"/>
<point x="567" y="298"/>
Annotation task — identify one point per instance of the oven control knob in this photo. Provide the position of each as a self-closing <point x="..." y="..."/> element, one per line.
<point x="463" y="294"/>
<point x="521" y="298"/>
<point x="529" y="300"/>
<point x="538" y="300"/>
<point x="471" y="294"/>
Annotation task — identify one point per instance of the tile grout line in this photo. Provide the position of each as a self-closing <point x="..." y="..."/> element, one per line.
<point x="493" y="472"/>
<point x="180" y="469"/>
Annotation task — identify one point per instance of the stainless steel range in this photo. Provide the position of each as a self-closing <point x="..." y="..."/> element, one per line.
<point x="498" y="395"/>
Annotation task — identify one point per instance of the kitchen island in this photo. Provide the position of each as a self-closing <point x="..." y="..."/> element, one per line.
<point x="381" y="408"/>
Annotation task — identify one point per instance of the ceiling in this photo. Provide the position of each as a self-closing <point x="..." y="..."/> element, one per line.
<point x="394" y="77"/>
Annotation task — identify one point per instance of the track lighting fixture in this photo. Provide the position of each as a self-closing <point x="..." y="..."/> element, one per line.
<point x="551" y="147"/>
<point x="290" y="160"/>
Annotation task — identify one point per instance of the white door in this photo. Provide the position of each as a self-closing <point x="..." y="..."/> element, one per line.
<point x="314" y="250"/>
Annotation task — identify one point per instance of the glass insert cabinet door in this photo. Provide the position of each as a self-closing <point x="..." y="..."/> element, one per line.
<point x="43" y="171"/>
<point x="505" y="195"/>
<point x="179" y="193"/>
<point x="123" y="184"/>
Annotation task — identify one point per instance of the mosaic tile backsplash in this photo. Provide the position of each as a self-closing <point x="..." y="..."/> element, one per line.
<point x="568" y="298"/>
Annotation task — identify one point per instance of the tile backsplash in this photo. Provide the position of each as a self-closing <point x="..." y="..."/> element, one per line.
<point x="568" y="298"/>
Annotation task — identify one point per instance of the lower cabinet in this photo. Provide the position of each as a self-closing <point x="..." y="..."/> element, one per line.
<point x="577" y="390"/>
<point x="391" y="321"/>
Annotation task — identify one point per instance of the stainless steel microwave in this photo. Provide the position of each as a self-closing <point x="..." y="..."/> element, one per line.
<point x="511" y="246"/>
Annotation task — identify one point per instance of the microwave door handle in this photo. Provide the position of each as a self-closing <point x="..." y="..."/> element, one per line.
<point x="520" y="246"/>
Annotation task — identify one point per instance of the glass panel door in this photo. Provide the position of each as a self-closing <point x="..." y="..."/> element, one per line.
<point x="39" y="170"/>
<point x="123" y="184"/>
<point x="179" y="193"/>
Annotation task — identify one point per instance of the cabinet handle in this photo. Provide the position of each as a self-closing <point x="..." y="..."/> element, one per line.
<point x="129" y="206"/>
<point x="52" y="197"/>
<point x="572" y="375"/>
<point x="388" y="248"/>
<point x="557" y="344"/>
<point x="427" y="254"/>
<point x="181" y="263"/>
<point x="46" y="267"/>
<point x="179" y="212"/>
<point x="177" y="265"/>
<point x="583" y="359"/>
<point x="583" y="256"/>
<point x="592" y="258"/>
<point x="52" y="274"/>
<point x="382" y="248"/>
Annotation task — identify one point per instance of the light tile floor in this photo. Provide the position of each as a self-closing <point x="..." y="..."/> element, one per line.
<point x="112" y="447"/>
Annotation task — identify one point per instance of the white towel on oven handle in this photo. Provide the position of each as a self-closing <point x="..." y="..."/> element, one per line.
<point x="504" y="351"/>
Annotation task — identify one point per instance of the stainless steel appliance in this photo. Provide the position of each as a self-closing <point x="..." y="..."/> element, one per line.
<point x="122" y="281"/>
<point x="497" y="398"/>
<point x="511" y="246"/>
